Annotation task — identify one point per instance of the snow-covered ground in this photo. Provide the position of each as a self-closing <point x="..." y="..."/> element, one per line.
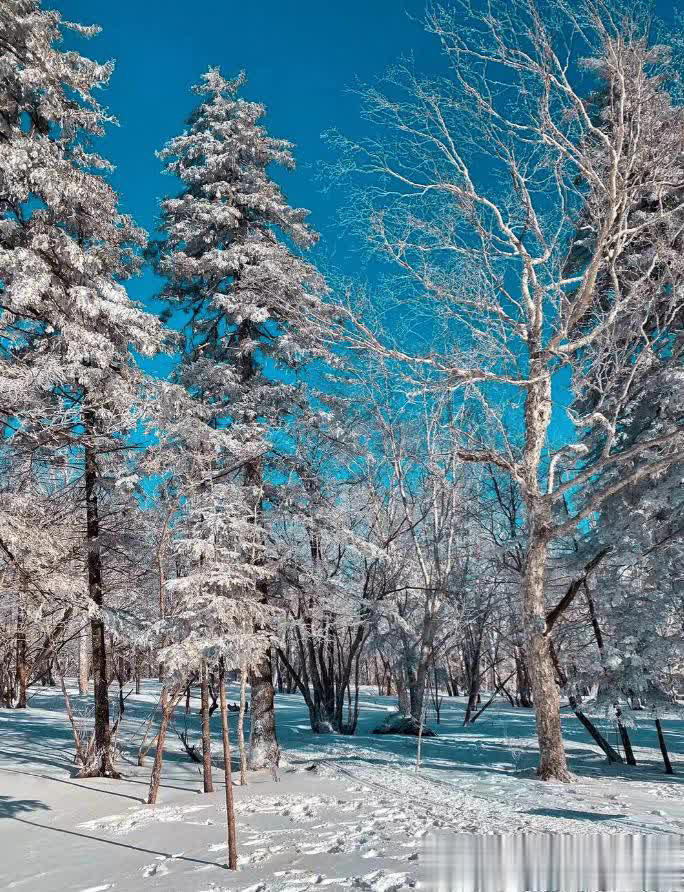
<point x="359" y="818"/>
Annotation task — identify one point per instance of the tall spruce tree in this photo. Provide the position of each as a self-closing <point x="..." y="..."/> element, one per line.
<point x="71" y="389"/>
<point x="230" y="254"/>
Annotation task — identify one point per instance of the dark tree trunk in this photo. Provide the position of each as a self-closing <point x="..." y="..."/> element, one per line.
<point x="22" y="667"/>
<point x="612" y="755"/>
<point x="626" y="742"/>
<point x="228" y="774"/>
<point x="663" y="748"/>
<point x="523" y="680"/>
<point x="473" y="691"/>
<point x="83" y="661"/>
<point x="206" y="732"/>
<point x="103" y="741"/>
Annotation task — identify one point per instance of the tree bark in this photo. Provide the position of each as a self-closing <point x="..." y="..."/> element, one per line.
<point x="663" y="748"/>
<point x="263" y="743"/>
<point x="22" y="671"/>
<point x="626" y="742"/>
<point x="522" y="680"/>
<point x="97" y="630"/>
<point x="228" y="774"/>
<point x="168" y="704"/>
<point x="545" y="692"/>
<point x="83" y="660"/>
<point x="206" y="732"/>
<point x="241" y="726"/>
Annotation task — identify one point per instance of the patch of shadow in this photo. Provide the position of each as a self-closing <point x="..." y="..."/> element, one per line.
<point x="572" y="814"/>
<point x="11" y="807"/>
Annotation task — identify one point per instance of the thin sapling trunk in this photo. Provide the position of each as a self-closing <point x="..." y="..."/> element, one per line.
<point x="228" y="773"/>
<point x="206" y="732"/>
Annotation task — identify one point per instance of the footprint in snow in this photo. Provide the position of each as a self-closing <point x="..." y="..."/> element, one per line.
<point x="159" y="868"/>
<point x="379" y="881"/>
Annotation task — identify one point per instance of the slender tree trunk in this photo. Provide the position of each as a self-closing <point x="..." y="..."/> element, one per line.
<point x="663" y="748"/>
<point x="420" y="740"/>
<point x="97" y="630"/>
<point x="403" y="693"/>
<point x="420" y="683"/>
<point x="230" y="810"/>
<point x="626" y="743"/>
<point x="206" y="732"/>
<point x="168" y="704"/>
<point x="545" y="692"/>
<point x="596" y="735"/>
<point x="83" y="660"/>
<point x="473" y="693"/>
<point x="241" y="725"/>
<point x="522" y="680"/>
<point x="22" y="672"/>
<point x="491" y="699"/>
<point x="263" y="743"/>
<point x="379" y="680"/>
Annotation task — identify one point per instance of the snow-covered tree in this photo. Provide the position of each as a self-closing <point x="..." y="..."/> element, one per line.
<point x="473" y="188"/>
<point x="71" y="388"/>
<point x="230" y="256"/>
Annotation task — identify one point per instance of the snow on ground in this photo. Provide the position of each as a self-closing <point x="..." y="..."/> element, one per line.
<point x="358" y="820"/>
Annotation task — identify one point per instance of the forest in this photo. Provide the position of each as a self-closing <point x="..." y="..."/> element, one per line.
<point x="447" y="476"/>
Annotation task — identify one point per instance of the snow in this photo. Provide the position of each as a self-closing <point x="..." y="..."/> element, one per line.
<point x="360" y="819"/>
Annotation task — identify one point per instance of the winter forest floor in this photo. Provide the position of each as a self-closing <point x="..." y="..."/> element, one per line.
<point x="359" y="819"/>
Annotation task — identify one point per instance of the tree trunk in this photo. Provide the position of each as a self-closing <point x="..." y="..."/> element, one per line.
<point x="168" y="704"/>
<point x="491" y="699"/>
<point x="83" y="660"/>
<point x="206" y="732"/>
<point x="241" y="726"/>
<point x="21" y="665"/>
<point x="545" y="692"/>
<point x="473" y="695"/>
<point x="97" y="630"/>
<point x="626" y="742"/>
<point x="263" y="743"/>
<point x="420" y="682"/>
<point x="522" y="680"/>
<point x="403" y="693"/>
<point x="228" y="775"/>
<point x="663" y="748"/>
<point x="595" y="733"/>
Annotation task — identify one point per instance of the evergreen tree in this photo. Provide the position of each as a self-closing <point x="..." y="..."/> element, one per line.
<point x="231" y="260"/>
<point x="71" y="388"/>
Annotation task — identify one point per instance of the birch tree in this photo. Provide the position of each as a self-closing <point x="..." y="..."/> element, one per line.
<point x="474" y="187"/>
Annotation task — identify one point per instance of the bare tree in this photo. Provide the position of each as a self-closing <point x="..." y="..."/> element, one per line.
<point x="475" y="188"/>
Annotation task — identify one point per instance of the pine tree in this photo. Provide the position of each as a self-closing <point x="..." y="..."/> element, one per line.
<point x="230" y="255"/>
<point x="71" y="388"/>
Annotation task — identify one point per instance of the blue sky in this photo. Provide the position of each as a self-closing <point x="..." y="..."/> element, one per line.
<point x="300" y="57"/>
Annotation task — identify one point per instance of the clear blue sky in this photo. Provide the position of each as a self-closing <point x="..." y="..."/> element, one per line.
<point x="299" y="55"/>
